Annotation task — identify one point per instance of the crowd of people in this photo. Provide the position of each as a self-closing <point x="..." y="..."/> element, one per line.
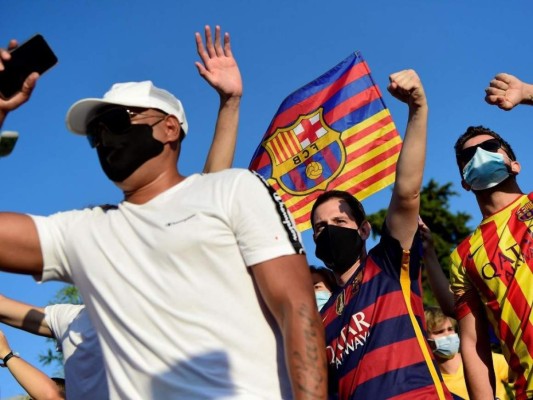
<point x="156" y="270"/>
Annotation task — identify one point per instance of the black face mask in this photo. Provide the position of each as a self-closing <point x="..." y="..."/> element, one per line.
<point x="339" y="248"/>
<point x="122" y="154"/>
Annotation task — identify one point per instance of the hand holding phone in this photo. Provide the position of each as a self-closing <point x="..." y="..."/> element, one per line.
<point x="34" y="55"/>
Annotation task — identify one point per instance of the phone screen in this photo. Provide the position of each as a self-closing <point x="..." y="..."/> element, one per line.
<point x="33" y="55"/>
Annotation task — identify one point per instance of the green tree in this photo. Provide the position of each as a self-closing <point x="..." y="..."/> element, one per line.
<point x="448" y="228"/>
<point x="68" y="294"/>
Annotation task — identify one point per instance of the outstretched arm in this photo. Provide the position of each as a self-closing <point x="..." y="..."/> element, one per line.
<point x="507" y="91"/>
<point x="20" y="248"/>
<point x="287" y="288"/>
<point x="36" y="383"/>
<point x="402" y="216"/>
<point x="23" y="316"/>
<point x="221" y="71"/>
<point x="8" y="105"/>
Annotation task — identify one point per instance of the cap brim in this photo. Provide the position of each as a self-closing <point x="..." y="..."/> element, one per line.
<point x="79" y="113"/>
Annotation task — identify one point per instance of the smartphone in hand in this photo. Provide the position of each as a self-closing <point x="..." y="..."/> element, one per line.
<point x="34" y="55"/>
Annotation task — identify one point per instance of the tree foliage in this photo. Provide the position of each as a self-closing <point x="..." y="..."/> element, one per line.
<point x="448" y="229"/>
<point x="68" y="294"/>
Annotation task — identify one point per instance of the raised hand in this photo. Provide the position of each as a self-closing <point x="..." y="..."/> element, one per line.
<point x="219" y="68"/>
<point x="406" y="86"/>
<point x="506" y="91"/>
<point x="7" y="105"/>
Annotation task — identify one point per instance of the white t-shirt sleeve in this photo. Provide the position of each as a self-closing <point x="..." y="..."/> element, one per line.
<point x="53" y="232"/>
<point x="263" y="226"/>
<point x="58" y="317"/>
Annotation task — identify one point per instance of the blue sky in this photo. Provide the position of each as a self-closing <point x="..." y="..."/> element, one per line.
<point x="455" y="46"/>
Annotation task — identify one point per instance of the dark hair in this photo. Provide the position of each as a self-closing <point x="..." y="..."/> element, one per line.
<point x="355" y="205"/>
<point x="60" y="383"/>
<point x="327" y="274"/>
<point x="474" y="131"/>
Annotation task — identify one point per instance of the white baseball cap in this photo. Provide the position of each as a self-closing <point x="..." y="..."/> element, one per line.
<point x="133" y="94"/>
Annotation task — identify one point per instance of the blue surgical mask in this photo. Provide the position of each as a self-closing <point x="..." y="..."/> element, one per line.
<point x="485" y="170"/>
<point x="322" y="297"/>
<point x="446" y="346"/>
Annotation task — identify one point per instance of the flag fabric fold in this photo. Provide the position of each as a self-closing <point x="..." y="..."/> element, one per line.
<point x="333" y="133"/>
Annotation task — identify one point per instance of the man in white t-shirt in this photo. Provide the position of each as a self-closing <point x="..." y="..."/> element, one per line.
<point x="197" y="286"/>
<point x="76" y="338"/>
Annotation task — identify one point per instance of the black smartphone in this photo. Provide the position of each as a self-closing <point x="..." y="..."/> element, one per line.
<point x="34" y="55"/>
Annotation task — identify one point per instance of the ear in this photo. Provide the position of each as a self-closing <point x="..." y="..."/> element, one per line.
<point x="465" y="185"/>
<point x="515" y="167"/>
<point x="365" y="229"/>
<point x="172" y="129"/>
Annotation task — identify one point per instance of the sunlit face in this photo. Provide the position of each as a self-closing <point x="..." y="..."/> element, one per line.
<point x="476" y="140"/>
<point x="115" y="120"/>
<point x="318" y="282"/>
<point x="444" y="329"/>
<point x="333" y="212"/>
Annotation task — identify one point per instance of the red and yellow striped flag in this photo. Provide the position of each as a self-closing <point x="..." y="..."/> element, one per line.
<point x="333" y="133"/>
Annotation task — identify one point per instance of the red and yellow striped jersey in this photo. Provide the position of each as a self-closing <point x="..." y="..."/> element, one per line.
<point x="496" y="264"/>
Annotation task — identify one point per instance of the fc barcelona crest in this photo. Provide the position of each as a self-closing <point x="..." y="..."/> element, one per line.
<point x="307" y="155"/>
<point x="525" y="213"/>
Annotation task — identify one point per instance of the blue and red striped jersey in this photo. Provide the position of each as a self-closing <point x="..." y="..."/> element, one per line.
<point x="375" y="330"/>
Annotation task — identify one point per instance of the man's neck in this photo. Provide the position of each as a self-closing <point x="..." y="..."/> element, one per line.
<point x="493" y="200"/>
<point x="450" y="367"/>
<point x="146" y="192"/>
<point x="347" y="275"/>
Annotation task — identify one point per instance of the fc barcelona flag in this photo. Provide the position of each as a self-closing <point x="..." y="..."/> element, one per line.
<point x="333" y="133"/>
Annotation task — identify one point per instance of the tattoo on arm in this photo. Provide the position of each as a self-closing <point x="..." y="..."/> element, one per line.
<point x="309" y="361"/>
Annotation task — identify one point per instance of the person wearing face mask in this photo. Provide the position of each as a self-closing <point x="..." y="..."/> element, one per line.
<point x="156" y="270"/>
<point x="444" y="342"/>
<point x="323" y="283"/>
<point x="492" y="270"/>
<point x="376" y="341"/>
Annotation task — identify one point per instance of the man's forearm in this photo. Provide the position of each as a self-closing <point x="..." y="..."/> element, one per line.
<point x="404" y="208"/>
<point x="476" y="355"/>
<point x="23" y="316"/>
<point x="222" y="149"/>
<point x="440" y="286"/>
<point x="306" y="354"/>
<point x="410" y="167"/>
<point x="35" y="382"/>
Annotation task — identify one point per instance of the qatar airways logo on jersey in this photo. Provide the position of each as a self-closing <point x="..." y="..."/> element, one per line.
<point x="353" y="335"/>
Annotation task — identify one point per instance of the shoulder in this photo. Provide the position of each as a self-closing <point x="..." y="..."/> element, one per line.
<point x="463" y="249"/>
<point x="233" y="179"/>
<point x="387" y="244"/>
<point x="74" y="215"/>
<point x="231" y="174"/>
